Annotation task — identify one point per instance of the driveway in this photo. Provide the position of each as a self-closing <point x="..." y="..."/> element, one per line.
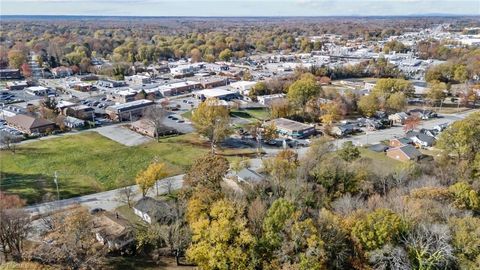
<point x="123" y="135"/>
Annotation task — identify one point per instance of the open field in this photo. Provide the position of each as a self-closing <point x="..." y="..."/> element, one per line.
<point x="88" y="163"/>
<point x="252" y="114"/>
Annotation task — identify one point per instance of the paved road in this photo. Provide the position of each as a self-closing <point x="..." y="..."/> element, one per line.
<point x="108" y="200"/>
<point x="374" y="137"/>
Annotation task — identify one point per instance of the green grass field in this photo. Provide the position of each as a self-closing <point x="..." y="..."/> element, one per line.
<point x="380" y="160"/>
<point x="88" y="163"/>
<point x="258" y="114"/>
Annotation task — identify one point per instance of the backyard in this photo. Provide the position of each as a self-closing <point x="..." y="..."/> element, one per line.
<point x="87" y="163"/>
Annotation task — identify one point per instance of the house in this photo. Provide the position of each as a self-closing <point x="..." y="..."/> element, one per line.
<point x="153" y="211"/>
<point x="29" y="125"/>
<point x="128" y="110"/>
<point x="343" y="130"/>
<point x="61" y="72"/>
<point x="17" y="85"/>
<point x="399" y="142"/>
<point x="404" y="153"/>
<point x="441" y="127"/>
<point x="112" y="230"/>
<point x="10" y="74"/>
<point x="290" y="128"/>
<point x="249" y="176"/>
<point x="73" y="122"/>
<point x="268" y="100"/>
<point x="398" y="118"/>
<point x="421" y="139"/>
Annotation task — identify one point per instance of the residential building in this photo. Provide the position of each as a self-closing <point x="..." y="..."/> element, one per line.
<point x="398" y="118"/>
<point x="112" y="230"/>
<point x="153" y="211"/>
<point x="30" y="125"/>
<point x="404" y="153"/>
<point x="249" y="176"/>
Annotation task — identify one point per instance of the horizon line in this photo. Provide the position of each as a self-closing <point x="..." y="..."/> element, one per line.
<point x="242" y="16"/>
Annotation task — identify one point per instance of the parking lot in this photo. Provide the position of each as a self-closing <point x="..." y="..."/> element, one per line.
<point x="123" y="135"/>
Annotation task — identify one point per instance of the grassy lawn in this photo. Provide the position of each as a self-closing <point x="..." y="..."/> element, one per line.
<point x="88" y="163"/>
<point x="252" y="114"/>
<point x="380" y="160"/>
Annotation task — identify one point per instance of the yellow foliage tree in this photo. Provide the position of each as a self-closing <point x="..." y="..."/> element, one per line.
<point x="146" y="179"/>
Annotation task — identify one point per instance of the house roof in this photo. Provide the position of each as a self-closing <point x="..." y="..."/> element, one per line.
<point x="378" y="147"/>
<point x="112" y="227"/>
<point x="28" y="122"/>
<point x="249" y="175"/>
<point x="160" y="211"/>
<point x="410" y="151"/>
<point x="422" y="137"/>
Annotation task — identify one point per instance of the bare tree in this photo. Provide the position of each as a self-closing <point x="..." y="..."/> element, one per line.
<point x="8" y="141"/>
<point x="155" y="115"/>
<point x="390" y="257"/>
<point x="14" y="226"/>
<point x="126" y="193"/>
<point x="429" y="246"/>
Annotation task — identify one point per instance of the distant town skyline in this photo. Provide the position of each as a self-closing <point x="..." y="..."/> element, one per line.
<point x="239" y="8"/>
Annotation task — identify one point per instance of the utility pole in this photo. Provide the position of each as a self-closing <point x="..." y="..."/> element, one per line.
<point x="56" y="184"/>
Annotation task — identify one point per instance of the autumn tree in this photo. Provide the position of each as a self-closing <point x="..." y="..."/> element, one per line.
<point x="368" y="105"/>
<point x="302" y="90"/>
<point x="225" y="55"/>
<point x="207" y="171"/>
<point x="466" y="241"/>
<point x="436" y="91"/>
<point x="16" y="58"/>
<point x="212" y="120"/>
<point x="411" y="123"/>
<point x="220" y="238"/>
<point x="461" y="138"/>
<point x="71" y="242"/>
<point x="396" y="102"/>
<point x="330" y="112"/>
<point x="377" y="228"/>
<point x="150" y="176"/>
<point x="270" y="132"/>
<point x="290" y="240"/>
<point x="349" y="152"/>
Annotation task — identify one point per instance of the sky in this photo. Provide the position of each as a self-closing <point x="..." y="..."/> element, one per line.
<point x="239" y="7"/>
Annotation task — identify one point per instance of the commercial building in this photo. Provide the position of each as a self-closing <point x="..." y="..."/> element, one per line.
<point x="268" y="100"/>
<point x="218" y="93"/>
<point x="10" y="74"/>
<point x="294" y="129"/>
<point x="129" y="110"/>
